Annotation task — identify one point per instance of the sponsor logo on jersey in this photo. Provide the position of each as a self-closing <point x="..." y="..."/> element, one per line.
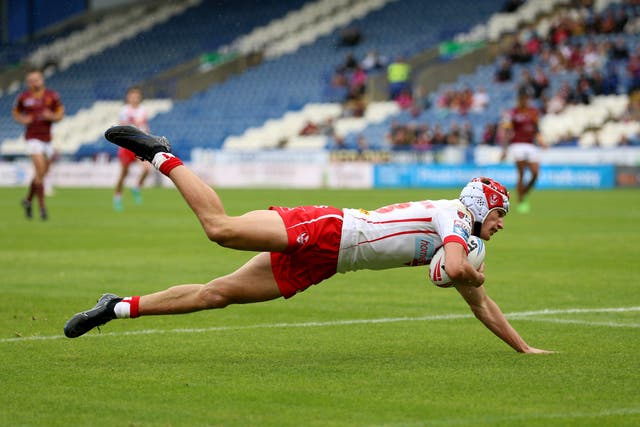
<point x="423" y="253"/>
<point x="303" y="238"/>
<point x="461" y="228"/>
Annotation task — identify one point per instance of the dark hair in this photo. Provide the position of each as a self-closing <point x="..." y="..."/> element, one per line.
<point x="33" y="69"/>
<point x="136" y="89"/>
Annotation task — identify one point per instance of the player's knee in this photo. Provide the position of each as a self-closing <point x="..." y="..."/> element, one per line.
<point x="212" y="297"/>
<point x="218" y="229"/>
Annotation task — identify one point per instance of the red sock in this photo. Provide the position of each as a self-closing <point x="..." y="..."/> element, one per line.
<point x="128" y="307"/>
<point x="166" y="162"/>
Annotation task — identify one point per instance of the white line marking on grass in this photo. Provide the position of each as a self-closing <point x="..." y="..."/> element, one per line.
<point x="523" y="315"/>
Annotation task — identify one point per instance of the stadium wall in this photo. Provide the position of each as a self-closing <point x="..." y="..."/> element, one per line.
<point x="561" y="168"/>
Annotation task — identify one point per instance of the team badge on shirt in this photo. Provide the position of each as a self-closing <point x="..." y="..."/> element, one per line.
<point x="462" y="229"/>
<point x="303" y="238"/>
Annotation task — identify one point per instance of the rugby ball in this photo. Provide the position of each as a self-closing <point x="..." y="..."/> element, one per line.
<point x="437" y="273"/>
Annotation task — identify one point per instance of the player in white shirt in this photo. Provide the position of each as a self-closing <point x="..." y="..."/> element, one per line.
<point x="302" y="246"/>
<point x="132" y="113"/>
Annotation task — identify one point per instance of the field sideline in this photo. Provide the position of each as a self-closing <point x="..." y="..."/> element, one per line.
<point x="362" y="349"/>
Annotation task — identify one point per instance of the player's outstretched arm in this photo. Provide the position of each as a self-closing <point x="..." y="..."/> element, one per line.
<point x="488" y="312"/>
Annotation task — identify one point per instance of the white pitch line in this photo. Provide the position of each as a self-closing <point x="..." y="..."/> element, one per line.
<point x="523" y="315"/>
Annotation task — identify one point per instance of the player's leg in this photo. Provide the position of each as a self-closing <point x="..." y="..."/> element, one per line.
<point x="50" y="156"/>
<point x="523" y="204"/>
<point x="261" y="230"/>
<point x="534" y="171"/>
<point x="117" y="194"/>
<point x="253" y="282"/>
<point x="40" y="165"/>
<point x="137" y="194"/>
<point x="521" y="166"/>
<point x="257" y="231"/>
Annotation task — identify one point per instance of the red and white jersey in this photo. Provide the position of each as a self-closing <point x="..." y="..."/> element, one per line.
<point x="135" y="116"/>
<point x="400" y="235"/>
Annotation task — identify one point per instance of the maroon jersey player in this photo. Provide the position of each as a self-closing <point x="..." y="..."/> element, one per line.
<point x="37" y="108"/>
<point x="521" y="146"/>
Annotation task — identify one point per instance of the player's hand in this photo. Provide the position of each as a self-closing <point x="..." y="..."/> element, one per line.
<point x="48" y="115"/>
<point x="532" y="350"/>
<point x="26" y="119"/>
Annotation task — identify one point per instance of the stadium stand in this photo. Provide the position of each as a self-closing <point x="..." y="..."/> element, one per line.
<point x="268" y="104"/>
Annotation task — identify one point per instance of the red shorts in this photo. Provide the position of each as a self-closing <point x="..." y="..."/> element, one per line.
<point x="312" y="254"/>
<point x="126" y="157"/>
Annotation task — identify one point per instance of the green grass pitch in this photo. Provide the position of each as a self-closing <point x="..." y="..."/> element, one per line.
<point x="363" y="349"/>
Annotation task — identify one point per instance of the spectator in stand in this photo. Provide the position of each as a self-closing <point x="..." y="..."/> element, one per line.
<point x="583" y="93"/>
<point x="596" y="81"/>
<point x="327" y="128"/>
<point x="422" y="140"/>
<point x="466" y="100"/>
<point x="593" y="58"/>
<point x="607" y="24"/>
<point x="362" y="144"/>
<point x="404" y="99"/>
<point x="420" y="101"/>
<point x="309" y="128"/>
<point x="619" y="50"/>
<point x="398" y="76"/>
<point x="510" y="6"/>
<point x="439" y="138"/>
<point x="350" y="36"/>
<point x="611" y="80"/>
<point x="358" y="80"/>
<point x="526" y="83"/>
<point x="576" y="57"/>
<point x="400" y="137"/>
<point x="480" y="100"/>
<point x="551" y="59"/>
<point x="531" y="41"/>
<point x="453" y="136"/>
<point x="633" y="70"/>
<point x="621" y="18"/>
<point x="559" y="100"/>
<point x="349" y="64"/>
<point x="503" y="73"/>
<point x="466" y="134"/>
<point x="540" y="81"/>
<point x="372" y="61"/>
<point x="518" y="54"/>
<point x="633" y="108"/>
<point x="355" y="104"/>
<point x="489" y="134"/>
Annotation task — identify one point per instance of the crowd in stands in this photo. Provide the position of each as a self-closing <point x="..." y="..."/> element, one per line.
<point x="570" y="52"/>
<point x="570" y="47"/>
<point x="426" y="137"/>
<point x="349" y="81"/>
